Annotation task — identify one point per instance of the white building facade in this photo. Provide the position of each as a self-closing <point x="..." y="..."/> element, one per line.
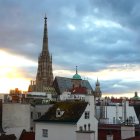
<point x="87" y="124"/>
<point x="52" y="131"/>
<point x="117" y="113"/>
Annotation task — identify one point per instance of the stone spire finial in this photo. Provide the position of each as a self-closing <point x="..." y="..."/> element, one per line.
<point x="45" y="36"/>
<point x="97" y="83"/>
<point x="98" y="92"/>
<point x="76" y="70"/>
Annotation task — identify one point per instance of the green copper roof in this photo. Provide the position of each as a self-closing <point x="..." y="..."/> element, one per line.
<point x="77" y="77"/>
<point x="136" y="97"/>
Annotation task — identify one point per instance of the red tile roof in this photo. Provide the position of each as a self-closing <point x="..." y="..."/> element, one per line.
<point x="8" y="137"/>
<point x="27" y="136"/>
<point x="79" y="90"/>
<point x="107" y="129"/>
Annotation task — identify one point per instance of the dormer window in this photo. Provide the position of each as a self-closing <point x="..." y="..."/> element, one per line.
<point x="59" y="112"/>
<point x="87" y="113"/>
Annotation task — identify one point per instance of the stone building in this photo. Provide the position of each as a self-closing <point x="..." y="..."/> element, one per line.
<point x="44" y="77"/>
<point x="98" y="92"/>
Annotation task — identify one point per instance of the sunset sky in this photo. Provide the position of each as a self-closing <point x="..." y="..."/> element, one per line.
<point x="101" y="37"/>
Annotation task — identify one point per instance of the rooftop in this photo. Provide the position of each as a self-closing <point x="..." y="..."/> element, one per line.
<point x="136" y="97"/>
<point x="8" y="137"/>
<point x="62" y="84"/>
<point x="76" y="77"/>
<point x="72" y="111"/>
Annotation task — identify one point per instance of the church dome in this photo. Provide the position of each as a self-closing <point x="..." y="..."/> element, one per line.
<point x="76" y="76"/>
<point x="136" y="97"/>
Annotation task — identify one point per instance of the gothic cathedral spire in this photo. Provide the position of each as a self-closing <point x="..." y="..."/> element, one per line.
<point x="45" y="37"/>
<point x="44" y="77"/>
<point x="98" y="92"/>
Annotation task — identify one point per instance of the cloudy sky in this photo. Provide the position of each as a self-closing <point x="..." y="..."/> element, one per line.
<point x="101" y="37"/>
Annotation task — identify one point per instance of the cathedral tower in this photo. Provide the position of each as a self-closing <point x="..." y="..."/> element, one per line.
<point x="44" y="77"/>
<point x="98" y="92"/>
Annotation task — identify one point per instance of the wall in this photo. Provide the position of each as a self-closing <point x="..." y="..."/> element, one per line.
<point x="127" y="132"/>
<point x="85" y="136"/>
<point x="92" y="120"/>
<point x="16" y="117"/>
<point x="55" y="131"/>
<point x="42" y="109"/>
<point x="68" y="96"/>
<point x="113" y="111"/>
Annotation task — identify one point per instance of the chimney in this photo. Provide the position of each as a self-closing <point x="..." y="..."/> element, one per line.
<point x="109" y="137"/>
<point x="31" y="82"/>
<point x="1" y="129"/>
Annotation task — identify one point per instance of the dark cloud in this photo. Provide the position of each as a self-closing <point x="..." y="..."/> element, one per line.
<point x="124" y="11"/>
<point x="93" y="34"/>
<point x="119" y="86"/>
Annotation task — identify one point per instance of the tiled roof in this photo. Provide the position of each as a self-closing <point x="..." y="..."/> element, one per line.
<point x="28" y="136"/>
<point x="105" y="129"/>
<point x="79" y="90"/>
<point x="62" y="84"/>
<point x="72" y="112"/>
<point x="8" y="137"/>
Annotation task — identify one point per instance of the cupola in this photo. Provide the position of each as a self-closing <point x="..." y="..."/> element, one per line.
<point x="76" y="76"/>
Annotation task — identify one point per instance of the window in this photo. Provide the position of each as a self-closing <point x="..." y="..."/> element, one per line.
<point x="31" y="115"/>
<point x="87" y="115"/>
<point x="114" y="120"/>
<point x="45" y="132"/>
<point x="59" y="112"/>
<point x="39" y="114"/>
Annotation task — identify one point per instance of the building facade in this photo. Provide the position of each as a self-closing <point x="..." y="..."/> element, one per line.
<point x="16" y="117"/>
<point x="69" y="120"/>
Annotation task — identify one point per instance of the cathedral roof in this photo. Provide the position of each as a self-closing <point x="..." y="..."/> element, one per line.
<point x="62" y="84"/>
